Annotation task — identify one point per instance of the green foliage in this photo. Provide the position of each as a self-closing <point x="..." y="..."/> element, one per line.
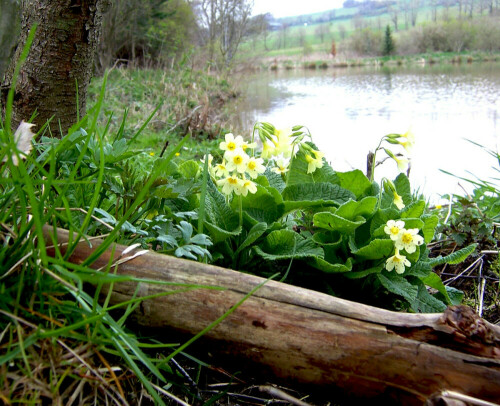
<point x="91" y="182"/>
<point x="327" y="230"/>
<point x="389" y="46"/>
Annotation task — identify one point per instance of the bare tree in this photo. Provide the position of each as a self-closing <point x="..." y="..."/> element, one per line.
<point x="342" y="31"/>
<point x="322" y="31"/>
<point x="225" y="23"/>
<point x="56" y="74"/>
<point x="394" y="13"/>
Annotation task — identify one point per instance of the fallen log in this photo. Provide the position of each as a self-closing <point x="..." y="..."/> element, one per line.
<point x="312" y="338"/>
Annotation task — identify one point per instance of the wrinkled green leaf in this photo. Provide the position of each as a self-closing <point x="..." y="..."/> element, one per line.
<point x="430" y="223"/>
<point x="455" y="257"/>
<point x="287" y="244"/>
<point x="376" y="249"/>
<point x="264" y="206"/>
<point x="189" y="169"/>
<point x="330" y="221"/>
<point x="355" y="181"/>
<point x="253" y="235"/>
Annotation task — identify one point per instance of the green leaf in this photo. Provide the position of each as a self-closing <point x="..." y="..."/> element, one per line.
<point x="327" y="267"/>
<point x="287" y="244"/>
<point x="275" y="180"/>
<point x="355" y="181"/>
<point x="253" y="235"/>
<point x="352" y="209"/>
<point x="304" y="195"/>
<point x="380" y="219"/>
<point x="264" y="206"/>
<point x="456" y="296"/>
<point x="330" y="221"/>
<point x="189" y="169"/>
<point x="455" y="257"/>
<point x="435" y="282"/>
<point x="376" y="249"/>
<point x="430" y="223"/>
<point x="298" y="171"/>
<point x="398" y="285"/>
<point x="415" y="210"/>
<point x="403" y="188"/>
<point x="221" y="221"/>
<point x="363" y="274"/>
<point x="425" y="302"/>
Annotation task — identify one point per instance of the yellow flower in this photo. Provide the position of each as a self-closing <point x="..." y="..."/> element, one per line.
<point x="230" y="184"/>
<point x="248" y="145"/>
<point x="398" y="201"/>
<point x="255" y="166"/>
<point x="409" y="141"/>
<point x="313" y="163"/>
<point x="246" y="186"/>
<point x="402" y="163"/>
<point x="409" y="240"/>
<point x="284" y="144"/>
<point x="397" y="262"/>
<point x="394" y="228"/>
<point x="268" y="150"/>
<point x="177" y="154"/>
<point x="221" y="169"/>
<point x="152" y="153"/>
<point x="237" y="160"/>
<point x="230" y="144"/>
<point x="281" y="166"/>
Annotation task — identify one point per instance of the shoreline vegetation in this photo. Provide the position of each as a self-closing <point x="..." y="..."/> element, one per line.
<point x="319" y="61"/>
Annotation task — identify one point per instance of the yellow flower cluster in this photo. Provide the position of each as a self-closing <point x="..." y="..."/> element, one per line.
<point x="237" y="167"/>
<point x="404" y="239"/>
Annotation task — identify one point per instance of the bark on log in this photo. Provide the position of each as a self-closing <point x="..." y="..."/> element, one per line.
<point x="312" y="338"/>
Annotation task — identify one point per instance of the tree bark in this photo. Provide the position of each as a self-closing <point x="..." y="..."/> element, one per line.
<point x="60" y="61"/>
<point x="312" y="338"/>
<point x="10" y="21"/>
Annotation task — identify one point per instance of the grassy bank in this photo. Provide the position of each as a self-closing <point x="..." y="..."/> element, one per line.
<point x="325" y="61"/>
<point x="178" y="101"/>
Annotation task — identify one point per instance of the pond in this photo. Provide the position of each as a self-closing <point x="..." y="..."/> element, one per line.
<point x="349" y="110"/>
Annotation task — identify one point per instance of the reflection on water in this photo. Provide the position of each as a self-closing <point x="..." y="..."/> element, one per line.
<point x="347" y="111"/>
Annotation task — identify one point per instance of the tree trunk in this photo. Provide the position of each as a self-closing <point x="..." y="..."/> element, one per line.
<point x="10" y="21"/>
<point x="308" y="337"/>
<point x="60" y="61"/>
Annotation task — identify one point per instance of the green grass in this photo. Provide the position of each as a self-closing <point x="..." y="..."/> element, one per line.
<point x="297" y="35"/>
<point x="60" y="342"/>
<point x="181" y="101"/>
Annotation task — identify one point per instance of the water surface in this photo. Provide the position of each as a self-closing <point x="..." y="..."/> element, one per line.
<point x="348" y="111"/>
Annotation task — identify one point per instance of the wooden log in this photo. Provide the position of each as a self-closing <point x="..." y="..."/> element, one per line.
<point x="312" y="338"/>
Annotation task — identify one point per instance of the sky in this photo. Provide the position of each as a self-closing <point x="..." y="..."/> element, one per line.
<point x="285" y="8"/>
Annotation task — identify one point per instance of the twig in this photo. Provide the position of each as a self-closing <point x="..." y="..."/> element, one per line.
<point x="481" y="289"/>
<point x="470" y="267"/>
<point x="271" y="390"/>
<point x="170" y="395"/>
<point x="185" y="374"/>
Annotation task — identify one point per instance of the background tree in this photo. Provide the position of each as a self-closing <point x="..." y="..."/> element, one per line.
<point x="223" y="23"/>
<point x="54" y="78"/>
<point x="145" y="32"/>
<point x="388" y="41"/>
